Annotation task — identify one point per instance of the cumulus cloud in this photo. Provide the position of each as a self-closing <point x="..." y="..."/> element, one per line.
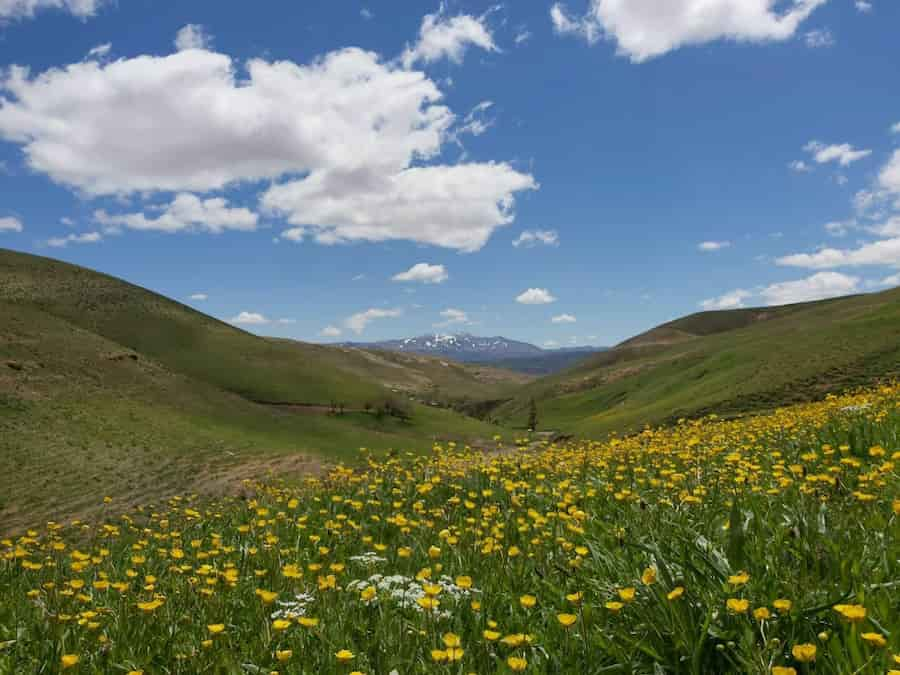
<point x="452" y="316"/>
<point x="199" y="297"/>
<point x="883" y="252"/>
<point x="186" y="212"/>
<point x="10" y="224"/>
<point x="713" y="245"/>
<point x="863" y="6"/>
<point x="644" y="29"/>
<point x="26" y="9"/>
<point x="817" y="287"/>
<point x="456" y="206"/>
<point x="448" y="37"/>
<point x="423" y="273"/>
<point x="843" y="153"/>
<point x="354" y="127"/>
<point x="817" y="39"/>
<point x="564" y="318"/>
<point x="192" y="36"/>
<point x="535" y="296"/>
<point x="892" y="280"/>
<point x="799" y="166"/>
<point x="100" y="51"/>
<point x="731" y="300"/>
<point x="358" y="322"/>
<point x="249" y="319"/>
<point x="889" y="176"/>
<point x="85" y="238"/>
<point x="529" y="238"/>
<point x="895" y="128"/>
<point x="330" y="331"/>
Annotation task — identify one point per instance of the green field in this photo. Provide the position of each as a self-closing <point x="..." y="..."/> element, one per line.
<point x="728" y="362"/>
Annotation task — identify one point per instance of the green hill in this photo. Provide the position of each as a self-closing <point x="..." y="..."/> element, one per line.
<point x="727" y="362"/>
<point x="107" y="388"/>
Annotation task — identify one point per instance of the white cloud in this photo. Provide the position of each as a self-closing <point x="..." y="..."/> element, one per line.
<point x="86" y="238"/>
<point x="535" y="296"/>
<point x="192" y="36"/>
<point x="452" y="316"/>
<point x="295" y="234"/>
<point x="186" y="212"/>
<point x="351" y="124"/>
<point x="817" y="287"/>
<point x="100" y="51"/>
<point x="844" y="153"/>
<point x="10" y="224"/>
<point x="424" y="273"/>
<point x="895" y="128"/>
<point x="250" y="319"/>
<point x="475" y="123"/>
<point x="522" y="36"/>
<point x="817" y="39"/>
<point x="863" y="6"/>
<point x="443" y="37"/>
<point x="799" y="166"/>
<point x="839" y="228"/>
<point x="713" y="245"/>
<point x="889" y="176"/>
<point x="21" y="9"/>
<point x="884" y="252"/>
<point x="451" y="206"/>
<point x="564" y="318"/>
<point x="286" y="322"/>
<point x="199" y="297"/>
<point x="889" y="228"/>
<point x="530" y="238"/>
<point x="644" y="29"/>
<point x="330" y="331"/>
<point x="551" y="344"/>
<point x="366" y="13"/>
<point x="731" y="300"/>
<point x="358" y="322"/>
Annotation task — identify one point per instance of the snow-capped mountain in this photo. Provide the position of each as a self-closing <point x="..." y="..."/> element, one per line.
<point x="467" y="347"/>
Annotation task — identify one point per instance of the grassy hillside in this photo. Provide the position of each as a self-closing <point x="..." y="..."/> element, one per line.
<point x="727" y="362"/>
<point x="109" y="389"/>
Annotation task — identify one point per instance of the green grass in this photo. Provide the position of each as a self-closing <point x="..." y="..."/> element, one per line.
<point x="724" y="362"/>
<point x="106" y="388"/>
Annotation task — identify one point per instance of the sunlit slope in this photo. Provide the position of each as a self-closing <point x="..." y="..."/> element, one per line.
<point x="725" y="362"/>
<point x="183" y="339"/>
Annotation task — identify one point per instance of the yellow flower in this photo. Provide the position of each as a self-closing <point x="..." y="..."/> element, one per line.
<point x="566" y="619"/>
<point x="283" y="654"/>
<point x="428" y="602"/>
<point x="464" y="582"/>
<point x="517" y="663"/>
<point x="783" y="605"/>
<point x="368" y="594"/>
<point x="737" y="605"/>
<point x="216" y="628"/>
<point x="267" y="597"/>
<point x="308" y="621"/>
<point x="528" y="601"/>
<point x="451" y="640"/>
<point x="281" y="624"/>
<point x="675" y="593"/>
<point x="150" y="606"/>
<point x="69" y="660"/>
<point x="344" y="655"/>
<point x="649" y="576"/>
<point x="783" y="670"/>
<point x="490" y="635"/>
<point x="874" y="639"/>
<point x="804" y="653"/>
<point x="739" y="579"/>
<point x="513" y="640"/>
<point x="627" y="594"/>
<point x="438" y="655"/>
<point x="762" y="614"/>
<point x="852" y="613"/>
<point x="434" y="552"/>
<point x="614" y="606"/>
<point x="575" y="597"/>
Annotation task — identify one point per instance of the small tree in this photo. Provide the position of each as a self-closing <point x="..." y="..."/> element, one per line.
<point x="532" y="416"/>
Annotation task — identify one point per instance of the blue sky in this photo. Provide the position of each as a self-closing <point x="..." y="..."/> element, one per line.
<point x="556" y="173"/>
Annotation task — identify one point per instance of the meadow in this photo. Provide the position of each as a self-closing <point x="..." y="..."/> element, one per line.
<point x="766" y="544"/>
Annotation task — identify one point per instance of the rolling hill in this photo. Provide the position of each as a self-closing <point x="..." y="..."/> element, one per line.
<point x="107" y="388"/>
<point x="728" y="362"/>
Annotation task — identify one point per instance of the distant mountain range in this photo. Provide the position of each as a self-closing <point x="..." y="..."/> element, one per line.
<point x="496" y="351"/>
